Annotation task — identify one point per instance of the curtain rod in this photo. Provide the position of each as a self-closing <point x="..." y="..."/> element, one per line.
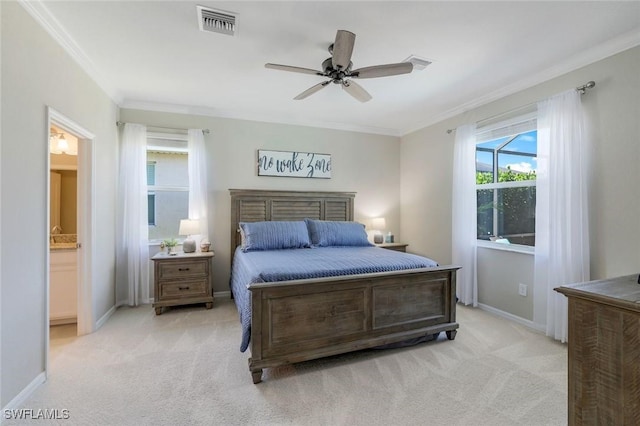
<point x="582" y="89"/>
<point x="206" y="131"/>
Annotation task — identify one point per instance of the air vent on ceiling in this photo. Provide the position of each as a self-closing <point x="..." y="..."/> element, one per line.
<point x="216" y="21"/>
<point x="418" y="63"/>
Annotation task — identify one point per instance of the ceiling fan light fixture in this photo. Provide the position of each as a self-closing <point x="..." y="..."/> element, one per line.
<point x="418" y="63"/>
<point x="338" y="69"/>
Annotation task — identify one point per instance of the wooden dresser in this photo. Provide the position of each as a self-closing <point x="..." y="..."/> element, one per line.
<point x="604" y="351"/>
<point x="182" y="279"/>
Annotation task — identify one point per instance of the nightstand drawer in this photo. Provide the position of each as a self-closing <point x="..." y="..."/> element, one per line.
<point x="179" y="289"/>
<point x="171" y="270"/>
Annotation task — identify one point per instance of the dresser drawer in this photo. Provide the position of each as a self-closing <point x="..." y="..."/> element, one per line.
<point x="183" y="269"/>
<point x="188" y="288"/>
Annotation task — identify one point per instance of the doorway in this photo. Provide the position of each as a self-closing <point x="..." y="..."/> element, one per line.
<point x="63" y="230"/>
<point x="85" y="211"/>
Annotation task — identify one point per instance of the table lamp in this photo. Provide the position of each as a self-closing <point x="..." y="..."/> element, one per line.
<point x="189" y="227"/>
<point x="378" y="224"/>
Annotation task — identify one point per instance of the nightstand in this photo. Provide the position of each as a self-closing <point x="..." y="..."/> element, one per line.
<point x="182" y="279"/>
<point x="393" y="246"/>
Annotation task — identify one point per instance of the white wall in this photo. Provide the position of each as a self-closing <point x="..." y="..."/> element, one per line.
<point x="613" y="108"/>
<point x="364" y="163"/>
<point x="36" y="73"/>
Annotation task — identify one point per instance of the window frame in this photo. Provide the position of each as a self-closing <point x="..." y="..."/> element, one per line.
<point x="512" y="127"/>
<point x="153" y="189"/>
<point x="151" y="198"/>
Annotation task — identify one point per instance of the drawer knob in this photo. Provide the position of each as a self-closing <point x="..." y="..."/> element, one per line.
<point x="183" y="269"/>
<point x="183" y="288"/>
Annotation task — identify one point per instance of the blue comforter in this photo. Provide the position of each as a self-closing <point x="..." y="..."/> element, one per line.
<point x="293" y="264"/>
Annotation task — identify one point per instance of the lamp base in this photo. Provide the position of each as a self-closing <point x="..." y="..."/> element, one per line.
<point x="378" y="238"/>
<point x="189" y="246"/>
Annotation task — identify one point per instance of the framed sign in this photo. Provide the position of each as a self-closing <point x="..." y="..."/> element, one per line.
<point x="294" y="164"/>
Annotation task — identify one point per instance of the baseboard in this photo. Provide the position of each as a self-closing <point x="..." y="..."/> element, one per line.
<point x="120" y="303"/>
<point x="222" y="295"/>
<point x="105" y="317"/>
<point x="24" y="394"/>
<point x="63" y="320"/>
<point x="515" y="318"/>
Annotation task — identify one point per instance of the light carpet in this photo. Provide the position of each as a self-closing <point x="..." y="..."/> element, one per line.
<point x="184" y="367"/>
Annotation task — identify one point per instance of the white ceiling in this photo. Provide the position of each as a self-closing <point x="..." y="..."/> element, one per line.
<point x="151" y="54"/>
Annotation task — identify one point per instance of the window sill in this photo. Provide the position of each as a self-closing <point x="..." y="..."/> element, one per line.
<point x="515" y="248"/>
<point x="153" y="243"/>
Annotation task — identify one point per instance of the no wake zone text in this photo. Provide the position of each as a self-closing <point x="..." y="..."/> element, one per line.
<point x="294" y="164"/>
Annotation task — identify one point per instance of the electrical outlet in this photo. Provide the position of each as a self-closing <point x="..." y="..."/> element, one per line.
<point x="522" y="289"/>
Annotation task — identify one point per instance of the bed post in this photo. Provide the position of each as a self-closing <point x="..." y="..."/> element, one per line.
<point x="256" y="336"/>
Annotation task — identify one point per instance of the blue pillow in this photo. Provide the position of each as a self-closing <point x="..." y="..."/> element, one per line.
<point x="326" y="233"/>
<point x="274" y="235"/>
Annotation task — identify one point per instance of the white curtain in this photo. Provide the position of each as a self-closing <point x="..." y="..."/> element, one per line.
<point x="562" y="229"/>
<point x="464" y="220"/>
<point x="198" y="182"/>
<point x="132" y="245"/>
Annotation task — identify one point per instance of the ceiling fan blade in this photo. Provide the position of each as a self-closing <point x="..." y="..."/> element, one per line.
<point x="342" y="49"/>
<point x="293" y="69"/>
<point x="313" y="89"/>
<point x="382" y="70"/>
<point x="355" y="90"/>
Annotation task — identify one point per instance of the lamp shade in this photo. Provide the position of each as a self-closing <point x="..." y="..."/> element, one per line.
<point x="378" y="223"/>
<point x="189" y="227"/>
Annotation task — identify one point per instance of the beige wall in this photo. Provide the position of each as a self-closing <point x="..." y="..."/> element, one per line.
<point x="364" y="163"/>
<point x="613" y="109"/>
<point x="499" y="275"/>
<point x="36" y="73"/>
<point x="426" y="157"/>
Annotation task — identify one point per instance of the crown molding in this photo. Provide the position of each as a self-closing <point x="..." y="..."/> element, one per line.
<point x="586" y="57"/>
<point x="266" y="118"/>
<point x="39" y="11"/>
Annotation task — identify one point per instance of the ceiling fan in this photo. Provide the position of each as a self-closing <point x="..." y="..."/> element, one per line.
<point x="338" y="69"/>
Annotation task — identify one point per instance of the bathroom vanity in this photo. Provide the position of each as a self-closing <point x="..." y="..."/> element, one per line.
<point x="63" y="281"/>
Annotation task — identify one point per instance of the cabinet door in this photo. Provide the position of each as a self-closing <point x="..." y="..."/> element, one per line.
<point x="63" y="283"/>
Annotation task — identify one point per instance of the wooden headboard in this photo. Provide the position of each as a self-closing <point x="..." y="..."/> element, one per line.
<point x="254" y="205"/>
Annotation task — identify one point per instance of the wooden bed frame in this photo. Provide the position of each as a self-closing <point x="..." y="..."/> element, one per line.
<point x="300" y="320"/>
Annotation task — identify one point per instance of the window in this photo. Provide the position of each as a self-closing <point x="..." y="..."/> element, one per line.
<point x="506" y="183"/>
<point x="151" y="207"/>
<point x="167" y="184"/>
<point x="151" y="196"/>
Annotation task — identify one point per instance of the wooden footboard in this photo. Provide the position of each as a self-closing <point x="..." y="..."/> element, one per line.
<point x="294" y="321"/>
